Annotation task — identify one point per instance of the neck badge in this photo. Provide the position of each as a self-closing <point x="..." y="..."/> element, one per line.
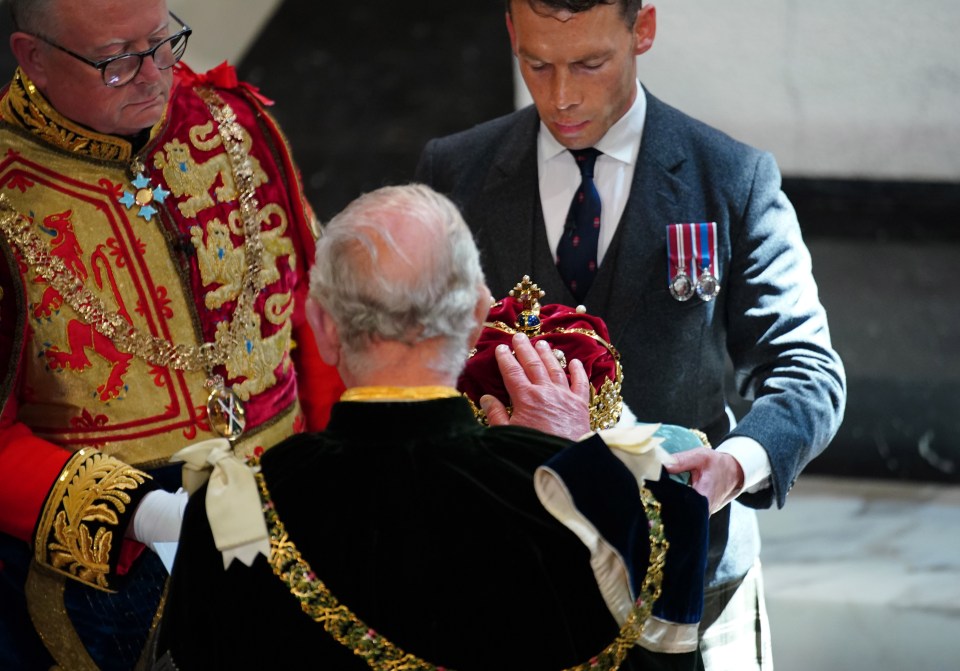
<point x="144" y="197"/>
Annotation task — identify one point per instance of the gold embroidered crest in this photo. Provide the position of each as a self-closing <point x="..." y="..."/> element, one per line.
<point x="186" y="177"/>
<point x="76" y="533"/>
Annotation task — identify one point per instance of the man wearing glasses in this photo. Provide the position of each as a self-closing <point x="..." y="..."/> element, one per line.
<point x="153" y="248"/>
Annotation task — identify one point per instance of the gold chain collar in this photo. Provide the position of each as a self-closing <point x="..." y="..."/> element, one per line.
<point x="381" y="654"/>
<point x="112" y="325"/>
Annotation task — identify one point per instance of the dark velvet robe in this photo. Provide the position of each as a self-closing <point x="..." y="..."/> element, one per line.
<point x="427" y="527"/>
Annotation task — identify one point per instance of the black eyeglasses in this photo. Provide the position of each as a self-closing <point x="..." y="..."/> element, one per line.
<point x="122" y="68"/>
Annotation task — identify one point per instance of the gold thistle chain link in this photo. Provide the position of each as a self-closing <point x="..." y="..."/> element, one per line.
<point x="381" y="654"/>
<point x="112" y="325"/>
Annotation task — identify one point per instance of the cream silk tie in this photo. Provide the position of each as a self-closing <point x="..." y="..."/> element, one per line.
<point x="233" y="500"/>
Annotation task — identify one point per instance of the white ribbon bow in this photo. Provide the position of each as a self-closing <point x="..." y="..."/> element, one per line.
<point x="639" y="449"/>
<point x="233" y="502"/>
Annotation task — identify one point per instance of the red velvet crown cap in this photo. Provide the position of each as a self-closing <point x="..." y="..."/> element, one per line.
<point x="569" y="331"/>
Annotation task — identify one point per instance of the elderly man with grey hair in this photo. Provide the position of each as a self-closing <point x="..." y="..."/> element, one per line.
<point x="398" y="298"/>
<point x="406" y="530"/>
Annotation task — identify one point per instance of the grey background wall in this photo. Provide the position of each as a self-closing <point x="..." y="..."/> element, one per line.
<point x="840" y="89"/>
<point x="858" y="101"/>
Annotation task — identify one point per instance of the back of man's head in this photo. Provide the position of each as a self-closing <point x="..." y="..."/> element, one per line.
<point x="399" y="264"/>
<point x="33" y="16"/>
<point x="628" y="8"/>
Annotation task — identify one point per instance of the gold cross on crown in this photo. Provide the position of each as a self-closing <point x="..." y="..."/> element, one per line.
<point x="529" y="295"/>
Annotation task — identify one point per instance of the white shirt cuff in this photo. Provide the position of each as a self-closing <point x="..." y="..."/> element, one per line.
<point x="753" y="460"/>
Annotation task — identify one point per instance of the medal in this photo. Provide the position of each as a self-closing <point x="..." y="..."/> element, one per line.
<point x="678" y="281"/>
<point x="144" y="196"/>
<point x="692" y="255"/>
<point x="681" y="286"/>
<point x="225" y="410"/>
<point x="707" y="286"/>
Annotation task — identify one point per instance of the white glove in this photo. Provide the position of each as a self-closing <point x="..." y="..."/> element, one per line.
<point x="158" y="518"/>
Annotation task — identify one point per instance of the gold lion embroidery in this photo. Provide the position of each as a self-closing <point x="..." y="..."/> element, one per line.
<point x="90" y="508"/>
<point x="221" y="262"/>
<point x="257" y="359"/>
<point x="186" y="177"/>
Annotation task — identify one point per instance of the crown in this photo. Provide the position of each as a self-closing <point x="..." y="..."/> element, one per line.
<point x="572" y="334"/>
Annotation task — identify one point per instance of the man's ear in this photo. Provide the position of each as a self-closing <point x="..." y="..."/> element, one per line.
<point x="644" y="29"/>
<point x="513" y="34"/>
<point x="324" y="332"/>
<point x="29" y="53"/>
<point x="480" y="312"/>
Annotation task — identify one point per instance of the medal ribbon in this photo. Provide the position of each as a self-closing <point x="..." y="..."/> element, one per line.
<point x="706" y="245"/>
<point x="700" y="240"/>
<point x="678" y="243"/>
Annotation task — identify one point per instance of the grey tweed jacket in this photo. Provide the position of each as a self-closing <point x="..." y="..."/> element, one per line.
<point x="767" y="318"/>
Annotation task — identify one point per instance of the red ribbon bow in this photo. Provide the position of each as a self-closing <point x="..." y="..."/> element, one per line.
<point x="223" y="76"/>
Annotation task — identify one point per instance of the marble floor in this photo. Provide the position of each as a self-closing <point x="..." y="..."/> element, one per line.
<point x="864" y="574"/>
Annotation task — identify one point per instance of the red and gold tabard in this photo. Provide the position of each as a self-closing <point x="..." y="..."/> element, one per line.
<point x="149" y="234"/>
<point x="166" y="241"/>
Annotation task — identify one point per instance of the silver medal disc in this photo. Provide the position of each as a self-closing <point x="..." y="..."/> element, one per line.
<point x="707" y="286"/>
<point x="681" y="287"/>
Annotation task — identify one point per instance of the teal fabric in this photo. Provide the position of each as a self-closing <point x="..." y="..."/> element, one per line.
<point x="678" y="439"/>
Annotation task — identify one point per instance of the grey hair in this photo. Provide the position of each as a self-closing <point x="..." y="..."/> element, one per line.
<point x="399" y="264"/>
<point x="33" y="16"/>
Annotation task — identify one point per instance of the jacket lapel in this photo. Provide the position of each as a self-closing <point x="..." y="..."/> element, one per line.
<point x="512" y="233"/>
<point x="638" y="250"/>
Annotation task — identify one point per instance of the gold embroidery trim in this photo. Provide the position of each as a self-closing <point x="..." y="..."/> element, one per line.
<point x="421" y="393"/>
<point x="112" y="325"/>
<point x="382" y="655"/>
<point x="44" y="591"/>
<point x="81" y="520"/>
<point x="25" y="106"/>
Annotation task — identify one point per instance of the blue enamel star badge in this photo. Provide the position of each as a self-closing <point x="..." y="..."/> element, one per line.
<point x="144" y="197"/>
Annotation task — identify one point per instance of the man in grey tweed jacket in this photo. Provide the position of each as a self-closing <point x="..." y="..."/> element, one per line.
<point x="513" y="179"/>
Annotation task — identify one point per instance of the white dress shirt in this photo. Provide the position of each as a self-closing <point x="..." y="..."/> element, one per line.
<point x="612" y="175"/>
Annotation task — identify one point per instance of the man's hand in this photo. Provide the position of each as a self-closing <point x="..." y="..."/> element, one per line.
<point x="715" y="475"/>
<point x="542" y="397"/>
